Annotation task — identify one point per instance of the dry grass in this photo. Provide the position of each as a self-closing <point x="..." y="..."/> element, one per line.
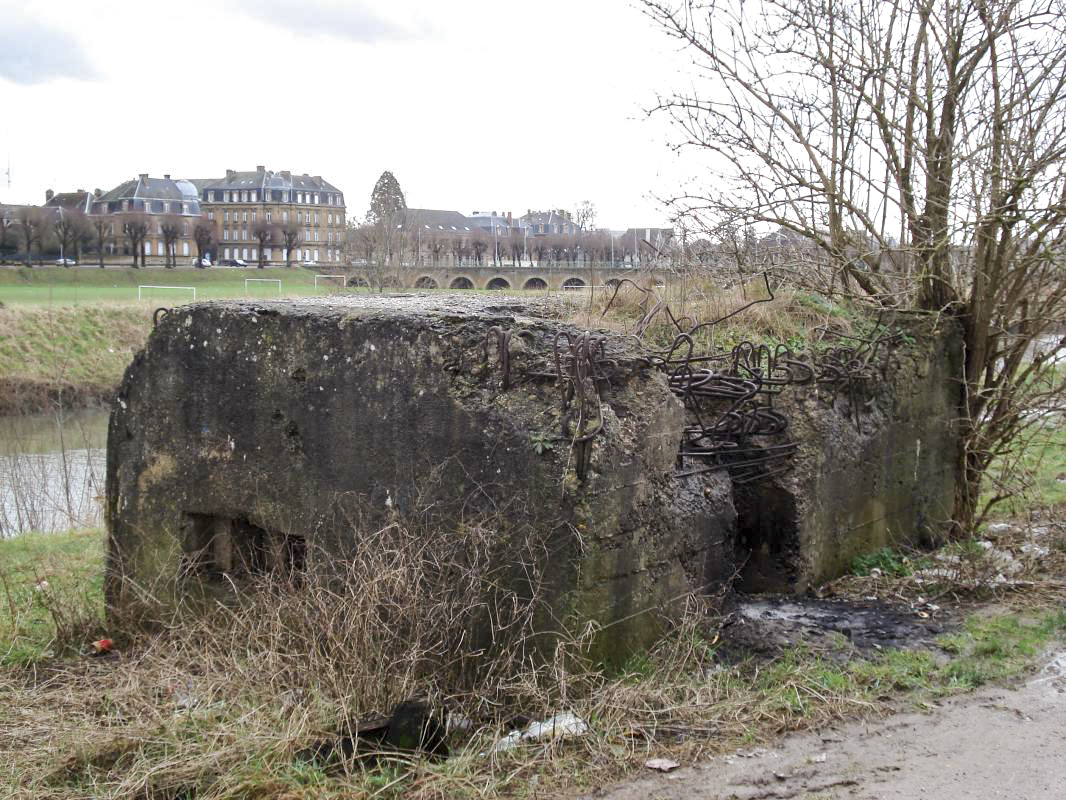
<point x="791" y="317"/>
<point x="222" y="703"/>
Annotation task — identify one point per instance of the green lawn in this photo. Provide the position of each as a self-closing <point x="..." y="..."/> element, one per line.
<point x="52" y="594"/>
<point x="84" y="285"/>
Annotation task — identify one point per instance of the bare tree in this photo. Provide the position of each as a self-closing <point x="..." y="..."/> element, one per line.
<point x="436" y="246"/>
<point x="71" y="229"/>
<point x="102" y="236"/>
<point x="459" y="249"/>
<point x="170" y="230"/>
<point x="918" y="144"/>
<point x="479" y="243"/>
<point x="34" y="225"/>
<point x="204" y="234"/>
<point x="264" y="233"/>
<point x="291" y="235"/>
<point x="135" y="229"/>
<point x="585" y="215"/>
<point x="517" y="247"/>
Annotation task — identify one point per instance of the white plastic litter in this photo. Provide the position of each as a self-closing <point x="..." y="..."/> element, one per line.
<point x="558" y="727"/>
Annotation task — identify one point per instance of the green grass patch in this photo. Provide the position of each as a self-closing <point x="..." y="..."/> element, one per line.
<point x="890" y="562"/>
<point x="1042" y="466"/>
<point x="86" y="285"/>
<point x="52" y="594"/>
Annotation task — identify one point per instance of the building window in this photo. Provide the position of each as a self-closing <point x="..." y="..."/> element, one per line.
<point x="185" y="248"/>
<point x="284" y="216"/>
<point x="185" y="229"/>
<point x="316" y="218"/>
<point x="246" y="253"/>
<point x="254" y="253"/>
<point x="211" y="216"/>
<point x="244" y="217"/>
<point x="255" y="196"/>
<point x="148" y="248"/>
<point x="210" y="197"/>
<point x="226" y="252"/>
<point x="316" y="199"/>
<point x="225" y="235"/>
<point x="253" y="216"/>
<point x="225" y="217"/>
<point x="268" y="215"/>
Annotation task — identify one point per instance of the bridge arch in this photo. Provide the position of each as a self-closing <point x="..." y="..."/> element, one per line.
<point x="391" y="282"/>
<point x="611" y="283"/>
<point x="461" y="283"/>
<point x="535" y="285"/>
<point x="498" y="283"/>
<point x="358" y="281"/>
<point x="426" y="282"/>
<point x="574" y="283"/>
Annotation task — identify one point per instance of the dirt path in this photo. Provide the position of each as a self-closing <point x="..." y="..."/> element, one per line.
<point x="996" y="743"/>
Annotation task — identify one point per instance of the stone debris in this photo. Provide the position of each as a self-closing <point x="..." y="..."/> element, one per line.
<point x="661" y="764"/>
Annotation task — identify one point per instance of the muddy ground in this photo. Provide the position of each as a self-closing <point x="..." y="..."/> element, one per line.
<point x="998" y="742"/>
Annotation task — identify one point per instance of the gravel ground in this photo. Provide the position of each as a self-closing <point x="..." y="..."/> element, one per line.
<point x="995" y="743"/>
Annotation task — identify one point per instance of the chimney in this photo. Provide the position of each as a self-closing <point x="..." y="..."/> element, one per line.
<point x="508" y="219"/>
<point x="143" y="176"/>
<point x="98" y="192"/>
<point x="260" y="168"/>
<point x="166" y="177"/>
<point x="48" y="195"/>
<point x="286" y="175"/>
<point x="230" y="173"/>
<point x="318" y="178"/>
<point x="79" y="191"/>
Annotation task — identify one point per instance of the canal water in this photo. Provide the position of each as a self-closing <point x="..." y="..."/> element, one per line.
<point x="52" y="471"/>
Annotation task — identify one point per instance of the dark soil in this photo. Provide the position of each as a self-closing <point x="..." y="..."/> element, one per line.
<point x="761" y="625"/>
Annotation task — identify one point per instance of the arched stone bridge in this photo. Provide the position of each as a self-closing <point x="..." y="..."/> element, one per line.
<point x="553" y="276"/>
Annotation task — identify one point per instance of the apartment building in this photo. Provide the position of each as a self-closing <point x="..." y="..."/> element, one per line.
<point x="253" y="210"/>
<point x="156" y="198"/>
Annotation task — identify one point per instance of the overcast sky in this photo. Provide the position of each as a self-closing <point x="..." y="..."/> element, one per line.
<point x="474" y="106"/>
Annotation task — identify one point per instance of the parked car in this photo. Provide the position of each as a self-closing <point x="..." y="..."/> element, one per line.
<point x="310" y="263"/>
<point x="65" y="262"/>
<point x="239" y="262"/>
<point x="201" y="262"/>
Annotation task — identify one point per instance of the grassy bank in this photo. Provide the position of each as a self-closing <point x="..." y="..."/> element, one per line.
<point x="72" y="355"/>
<point x="227" y="709"/>
<point x="85" y="285"/>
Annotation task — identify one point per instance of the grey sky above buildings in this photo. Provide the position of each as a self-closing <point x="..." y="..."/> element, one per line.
<point x="474" y="106"/>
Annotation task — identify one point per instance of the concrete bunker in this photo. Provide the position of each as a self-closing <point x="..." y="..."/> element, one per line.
<point x="244" y="430"/>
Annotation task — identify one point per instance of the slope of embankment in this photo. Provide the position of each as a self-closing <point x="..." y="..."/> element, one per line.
<point x="74" y="355"/>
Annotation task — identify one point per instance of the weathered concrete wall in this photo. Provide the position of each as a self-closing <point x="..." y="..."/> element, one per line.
<point x="280" y="418"/>
<point x="872" y="470"/>
<point x="277" y="413"/>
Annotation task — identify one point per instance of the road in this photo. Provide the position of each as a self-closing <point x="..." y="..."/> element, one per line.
<point x="995" y="743"/>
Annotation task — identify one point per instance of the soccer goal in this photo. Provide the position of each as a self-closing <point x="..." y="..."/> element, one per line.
<point x="341" y="278"/>
<point x="261" y="280"/>
<point x="142" y="287"/>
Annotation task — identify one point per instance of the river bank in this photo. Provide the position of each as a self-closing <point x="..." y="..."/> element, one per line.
<point x="66" y="356"/>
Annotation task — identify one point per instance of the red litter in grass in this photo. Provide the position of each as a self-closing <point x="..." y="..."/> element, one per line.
<point x="101" y="646"/>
